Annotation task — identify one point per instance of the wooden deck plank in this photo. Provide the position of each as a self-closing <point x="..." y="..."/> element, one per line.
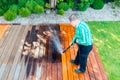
<point x="49" y="63"/>
<point x="18" y="63"/>
<point x="15" y="69"/>
<point x="3" y="60"/>
<point x="72" y="52"/>
<point x="64" y="65"/>
<point x="95" y="67"/>
<point x="24" y="64"/>
<point x="68" y="56"/>
<point x="4" y="41"/>
<point x="23" y="72"/>
<point x="4" y="37"/>
<point x="104" y="76"/>
<point x="14" y="51"/>
<point x="10" y="54"/>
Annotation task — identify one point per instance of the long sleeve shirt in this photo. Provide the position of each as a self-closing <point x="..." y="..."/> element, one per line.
<point x="82" y="35"/>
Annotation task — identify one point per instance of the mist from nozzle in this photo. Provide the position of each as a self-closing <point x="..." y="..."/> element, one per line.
<point x="56" y="41"/>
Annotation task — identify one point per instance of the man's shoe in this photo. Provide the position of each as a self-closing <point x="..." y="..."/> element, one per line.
<point x="78" y="71"/>
<point x="73" y="61"/>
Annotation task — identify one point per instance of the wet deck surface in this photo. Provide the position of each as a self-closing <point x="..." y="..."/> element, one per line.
<point x="48" y="66"/>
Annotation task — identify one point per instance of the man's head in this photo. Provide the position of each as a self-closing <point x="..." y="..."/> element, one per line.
<point x="74" y="19"/>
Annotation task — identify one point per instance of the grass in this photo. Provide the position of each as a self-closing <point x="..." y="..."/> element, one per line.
<point x="106" y="37"/>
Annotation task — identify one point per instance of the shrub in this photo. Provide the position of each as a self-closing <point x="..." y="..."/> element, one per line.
<point x="14" y="8"/>
<point x="116" y="3"/>
<point x="61" y="12"/>
<point x="63" y="5"/>
<point x="71" y="4"/>
<point x="98" y="4"/>
<point x="40" y="2"/>
<point x="10" y="15"/>
<point x="9" y="1"/>
<point x="30" y="5"/>
<point x="106" y="1"/>
<point x="59" y="1"/>
<point x="4" y="1"/>
<point x="47" y="5"/>
<point x="12" y="1"/>
<point x="21" y="3"/>
<point x="38" y="9"/>
<point x="83" y="6"/>
<point x="24" y="12"/>
<point x="1" y="12"/>
<point x="5" y="7"/>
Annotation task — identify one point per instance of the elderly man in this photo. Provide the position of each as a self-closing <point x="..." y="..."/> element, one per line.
<point x="83" y="39"/>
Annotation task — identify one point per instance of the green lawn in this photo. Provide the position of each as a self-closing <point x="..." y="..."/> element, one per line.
<point x="106" y="37"/>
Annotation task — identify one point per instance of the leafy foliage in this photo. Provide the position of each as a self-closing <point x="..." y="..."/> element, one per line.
<point x="47" y="5"/>
<point x="106" y="1"/>
<point x="61" y="12"/>
<point x="24" y="12"/>
<point x="22" y="3"/>
<point x="40" y="2"/>
<point x="30" y="5"/>
<point x="63" y="5"/>
<point x="58" y="1"/>
<point x="83" y="6"/>
<point x="98" y="4"/>
<point x="117" y="3"/>
<point x="1" y="12"/>
<point x="14" y="8"/>
<point x="9" y="1"/>
<point x="4" y="6"/>
<point x="10" y="15"/>
<point x="71" y="3"/>
<point x="38" y="9"/>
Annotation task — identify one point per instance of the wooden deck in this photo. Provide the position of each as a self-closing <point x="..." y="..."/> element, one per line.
<point x="15" y="66"/>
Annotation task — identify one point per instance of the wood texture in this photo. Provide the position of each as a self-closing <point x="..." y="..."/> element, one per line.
<point x="51" y="65"/>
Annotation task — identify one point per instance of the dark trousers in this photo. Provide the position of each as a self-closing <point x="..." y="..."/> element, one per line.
<point x="82" y="55"/>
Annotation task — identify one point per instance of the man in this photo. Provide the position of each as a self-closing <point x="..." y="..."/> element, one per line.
<point x="83" y="39"/>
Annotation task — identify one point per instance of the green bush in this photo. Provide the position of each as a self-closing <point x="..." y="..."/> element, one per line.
<point x="106" y="1"/>
<point x="71" y="4"/>
<point x="24" y="12"/>
<point x="1" y="12"/>
<point x="9" y="1"/>
<point x="12" y="2"/>
<point x="10" y="15"/>
<point x="38" y="9"/>
<point x="59" y="1"/>
<point x="98" y="4"/>
<point x="61" y="12"/>
<point x="63" y="5"/>
<point x="40" y="2"/>
<point x="83" y="6"/>
<point x="21" y="3"/>
<point x="116" y="3"/>
<point x="30" y="5"/>
<point x="5" y="7"/>
<point x="4" y="1"/>
<point x="14" y="8"/>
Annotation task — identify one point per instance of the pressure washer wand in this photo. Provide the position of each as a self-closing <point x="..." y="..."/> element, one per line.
<point x="67" y="48"/>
